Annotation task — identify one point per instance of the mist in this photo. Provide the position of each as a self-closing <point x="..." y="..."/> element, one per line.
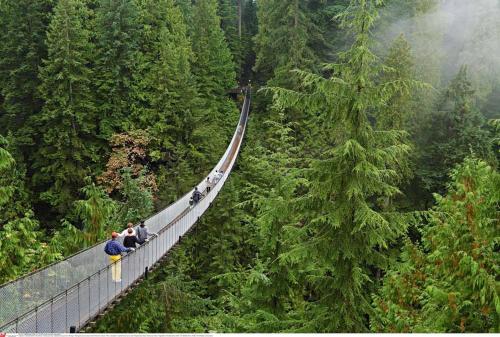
<point x="451" y="34"/>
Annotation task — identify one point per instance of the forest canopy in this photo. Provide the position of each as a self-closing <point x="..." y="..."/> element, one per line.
<point x="366" y="196"/>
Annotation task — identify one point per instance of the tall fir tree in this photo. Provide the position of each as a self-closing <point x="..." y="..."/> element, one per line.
<point x="170" y="95"/>
<point x="214" y="73"/>
<point x="400" y="65"/>
<point x="68" y="118"/>
<point x="285" y="40"/>
<point x="117" y="41"/>
<point x="213" y="63"/>
<point x="231" y="14"/>
<point x="345" y="236"/>
<point x="23" y="47"/>
<point x="451" y="133"/>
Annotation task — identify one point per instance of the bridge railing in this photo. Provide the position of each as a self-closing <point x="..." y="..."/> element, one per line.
<point x="72" y="292"/>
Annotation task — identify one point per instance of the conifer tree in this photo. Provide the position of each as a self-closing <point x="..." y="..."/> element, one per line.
<point x="68" y="119"/>
<point x="24" y="24"/>
<point x="230" y="12"/>
<point x="400" y="66"/>
<point x="272" y="285"/>
<point x="285" y="40"/>
<point x="95" y="211"/>
<point x="167" y="83"/>
<point x="21" y="246"/>
<point x="6" y="162"/>
<point x="345" y="234"/>
<point x="213" y="64"/>
<point x="452" y="132"/>
<point x="449" y="282"/>
<point x="117" y="38"/>
<point x="171" y="102"/>
<point x="214" y="73"/>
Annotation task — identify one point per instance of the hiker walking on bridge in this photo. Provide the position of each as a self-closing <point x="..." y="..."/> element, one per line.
<point x="125" y="231"/>
<point x="196" y="196"/>
<point x="217" y="176"/>
<point x="143" y="233"/>
<point x="210" y="184"/>
<point x="130" y="240"/>
<point x="114" y="249"/>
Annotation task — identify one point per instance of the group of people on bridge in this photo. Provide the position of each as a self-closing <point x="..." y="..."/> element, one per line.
<point x="140" y="235"/>
<point x="131" y="238"/>
<point x="197" y="195"/>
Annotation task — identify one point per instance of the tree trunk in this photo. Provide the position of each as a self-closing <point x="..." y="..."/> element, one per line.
<point x="240" y="17"/>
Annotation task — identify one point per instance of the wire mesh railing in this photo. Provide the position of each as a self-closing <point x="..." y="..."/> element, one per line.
<point x="71" y="292"/>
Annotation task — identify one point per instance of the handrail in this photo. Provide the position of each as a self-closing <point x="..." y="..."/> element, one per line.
<point x="170" y="223"/>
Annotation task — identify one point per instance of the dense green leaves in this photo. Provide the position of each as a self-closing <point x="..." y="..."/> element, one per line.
<point x="449" y="282"/>
<point x="68" y="119"/>
<point x="111" y="109"/>
<point x="117" y="55"/>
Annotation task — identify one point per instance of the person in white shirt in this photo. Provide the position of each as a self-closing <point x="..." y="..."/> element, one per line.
<point x="125" y="231"/>
<point x="217" y="176"/>
<point x="210" y="184"/>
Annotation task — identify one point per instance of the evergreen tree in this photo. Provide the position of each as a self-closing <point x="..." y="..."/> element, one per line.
<point x="231" y="14"/>
<point x="137" y="199"/>
<point x="170" y="96"/>
<point x="117" y="38"/>
<point x="399" y="62"/>
<point x="452" y="132"/>
<point x="284" y="41"/>
<point x="24" y="24"/>
<point x="214" y="73"/>
<point x="271" y="285"/>
<point x="95" y="211"/>
<point x="68" y="119"/>
<point x="21" y="247"/>
<point x="213" y="64"/>
<point x="345" y="235"/>
<point x="449" y="282"/>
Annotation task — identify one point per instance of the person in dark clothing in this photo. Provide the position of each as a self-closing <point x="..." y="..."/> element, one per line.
<point x="143" y="233"/>
<point x="114" y="249"/>
<point x="130" y="240"/>
<point x="196" y="196"/>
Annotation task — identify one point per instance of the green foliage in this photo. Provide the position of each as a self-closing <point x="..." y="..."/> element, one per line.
<point x="285" y="38"/>
<point x="449" y="282"/>
<point x="213" y="64"/>
<point x="117" y="38"/>
<point x="68" y="118"/>
<point x="272" y="283"/>
<point x="6" y="162"/>
<point x="398" y="111"/>
<point x="21" y="243"/>
<point x="453" y="132"/>
<point x="96" y="212"/>
<point x="137" y="200"/>
<point x="341" y="208"/>
<point x="24" y="25"/>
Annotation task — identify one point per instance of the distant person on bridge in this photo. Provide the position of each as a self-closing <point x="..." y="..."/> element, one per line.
<point x="114" y="249"/>
<point x="196" y="195"/>
<point x="130" y="240"/>
<point x="125" y="231"/>
<point x="143" y="233"/>
<point x="210" y="184"/>
<point x="218" y="176"/>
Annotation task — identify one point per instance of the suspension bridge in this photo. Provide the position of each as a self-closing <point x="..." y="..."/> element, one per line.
<point x="67" y="295"/>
